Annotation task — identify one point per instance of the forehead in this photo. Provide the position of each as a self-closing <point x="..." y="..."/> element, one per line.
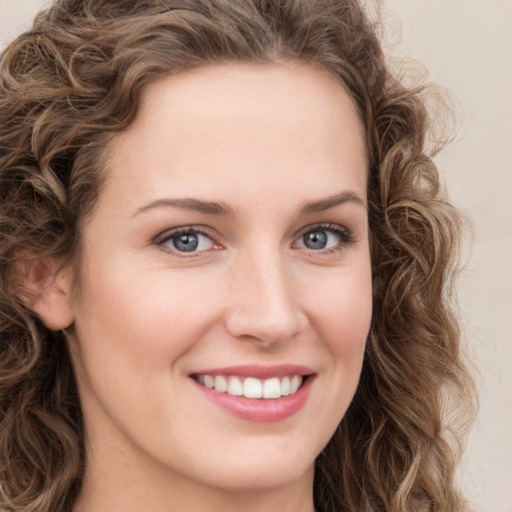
<point x="268" y="88"/>
<point x="286" y="94"/>
<point x="258" y="125"/>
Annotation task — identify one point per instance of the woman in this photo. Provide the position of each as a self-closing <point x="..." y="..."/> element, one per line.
<point x="225" y="265"/>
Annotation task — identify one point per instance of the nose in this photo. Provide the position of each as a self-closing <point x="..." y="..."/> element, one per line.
<point x="264" y="305"/>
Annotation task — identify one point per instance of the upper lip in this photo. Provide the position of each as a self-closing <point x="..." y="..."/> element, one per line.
<point x="258" y="371"/>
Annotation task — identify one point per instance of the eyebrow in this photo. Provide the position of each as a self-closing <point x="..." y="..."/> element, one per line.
<point x="197" y="205"/>
<point x="222" y="209"/>
<point x="332" y="201"/>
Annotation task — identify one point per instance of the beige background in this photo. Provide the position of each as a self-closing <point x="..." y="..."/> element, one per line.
<point x="466" y="45"/>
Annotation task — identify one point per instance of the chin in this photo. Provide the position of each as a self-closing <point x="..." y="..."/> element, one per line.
<point x="273" y="468"/>
<point x="247" y="477"/>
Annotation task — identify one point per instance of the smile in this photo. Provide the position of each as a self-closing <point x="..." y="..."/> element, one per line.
<point x="252" y="387"/>
<point x="257" y="393"/>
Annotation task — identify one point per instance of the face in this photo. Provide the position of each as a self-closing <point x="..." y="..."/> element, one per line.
<point x="225" y="294"/>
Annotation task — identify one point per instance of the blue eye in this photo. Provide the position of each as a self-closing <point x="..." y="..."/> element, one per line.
<point x="186" y="241"/>
<point x="315" y="240"/>
<point x="324" y="238"/>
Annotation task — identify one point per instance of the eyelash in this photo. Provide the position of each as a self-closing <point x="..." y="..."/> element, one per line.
<point x="168" y="235"/>
<point x="344" y="235"/>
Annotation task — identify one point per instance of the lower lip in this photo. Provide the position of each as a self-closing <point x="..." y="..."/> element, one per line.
<point x="260" y="409"/>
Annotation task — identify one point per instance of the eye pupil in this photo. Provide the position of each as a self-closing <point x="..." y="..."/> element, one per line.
<point x="186" y="243"/>
<point x="315" y="240"/>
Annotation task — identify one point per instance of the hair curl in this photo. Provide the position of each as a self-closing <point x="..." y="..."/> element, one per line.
<point x="73" y="81"/>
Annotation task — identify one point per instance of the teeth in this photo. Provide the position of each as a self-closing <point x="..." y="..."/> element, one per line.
<point x="295" y="384"/>
<point x="285" y="386"/>
<point x="209" y="381"/>
<point x="272" y="388"/>
<point x="235" y="386"/>
<point x="221" y="384"/>
<point x="251" y="387"/>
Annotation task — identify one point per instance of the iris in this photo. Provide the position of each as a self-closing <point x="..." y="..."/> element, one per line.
<point x="315" y="239"/>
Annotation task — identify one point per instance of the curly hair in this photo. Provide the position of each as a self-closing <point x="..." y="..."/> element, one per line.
<point x="75" y="80"/>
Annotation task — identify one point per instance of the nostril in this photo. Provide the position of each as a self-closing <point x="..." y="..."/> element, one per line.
<point x="264" y="306"/>
<point x="267" y="331"/>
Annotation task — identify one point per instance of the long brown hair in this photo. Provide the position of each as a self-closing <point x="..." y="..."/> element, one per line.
<point x="73" y="81"/>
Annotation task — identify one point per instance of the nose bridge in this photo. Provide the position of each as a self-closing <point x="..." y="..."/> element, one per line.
<point x="264" y="305"/>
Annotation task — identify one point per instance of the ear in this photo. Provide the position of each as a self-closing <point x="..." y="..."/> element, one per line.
<point x="45" y="288"/>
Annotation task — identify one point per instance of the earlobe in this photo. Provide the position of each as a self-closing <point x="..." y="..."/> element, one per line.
<point x="45" y="288"/>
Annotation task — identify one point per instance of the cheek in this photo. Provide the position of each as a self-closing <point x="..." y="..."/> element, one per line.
<point x="341" y="317"/>
<point x="342" y="312"/>
<point x="147" y="319"/>
<point x="131" y="335"/>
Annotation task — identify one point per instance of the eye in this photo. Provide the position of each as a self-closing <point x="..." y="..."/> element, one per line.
<point x="185" y="240"/>
<point x="325" y="238"/>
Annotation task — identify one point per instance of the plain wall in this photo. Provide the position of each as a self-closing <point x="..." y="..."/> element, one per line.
<point x="466" y="46"/>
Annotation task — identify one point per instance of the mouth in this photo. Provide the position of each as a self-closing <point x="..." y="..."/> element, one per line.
<point x="257" y="393"/>
<point x="252" y="387"/>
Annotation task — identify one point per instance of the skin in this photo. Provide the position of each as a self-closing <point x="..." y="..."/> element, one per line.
<point x="264" y="141"/>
